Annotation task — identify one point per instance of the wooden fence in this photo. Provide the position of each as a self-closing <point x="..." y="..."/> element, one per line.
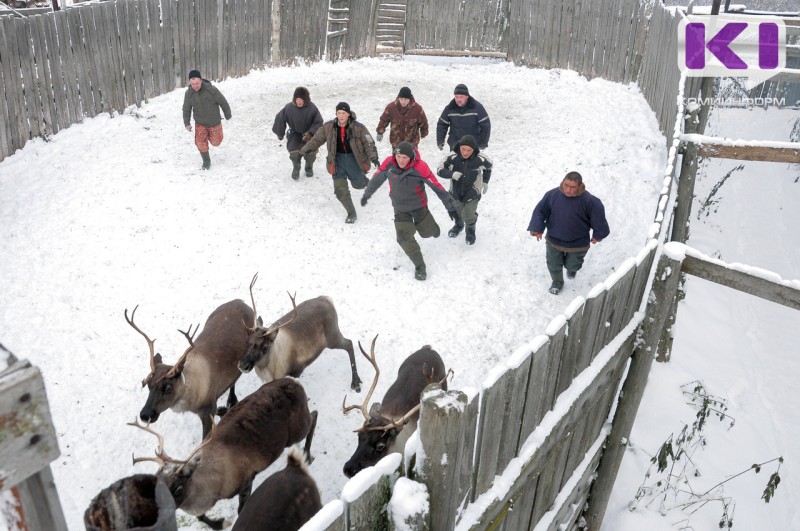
<point x="457" y="25"/>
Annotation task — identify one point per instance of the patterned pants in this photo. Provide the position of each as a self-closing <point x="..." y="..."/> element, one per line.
<point x="203" y="135"/>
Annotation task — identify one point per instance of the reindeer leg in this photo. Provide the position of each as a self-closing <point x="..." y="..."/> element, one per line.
<point x="213" y="523"/>
<point x="309" y="437"/>
<point x="355" y="381"/>
<point x="205" y="418"/>
<point x="244" y="494"/>
<point x="232" y="401"/>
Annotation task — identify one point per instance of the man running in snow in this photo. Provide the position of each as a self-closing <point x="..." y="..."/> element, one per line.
<point x="303" y="120"/>
<point x="204" y="100"/>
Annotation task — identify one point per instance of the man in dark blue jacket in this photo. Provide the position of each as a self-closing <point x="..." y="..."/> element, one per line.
<point x="568" y="213"/>
<point x="464" y="115"/>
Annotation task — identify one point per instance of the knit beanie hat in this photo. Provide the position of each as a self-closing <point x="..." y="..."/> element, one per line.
<point x="302" y="93"/>
<point x="343" y="106"/>
<point x="405" y="92"/>
<point x="195" y="73"/>
<point x="461" y="89"/>
<point x="404" y="148"/>
<point x="468" y="140"/>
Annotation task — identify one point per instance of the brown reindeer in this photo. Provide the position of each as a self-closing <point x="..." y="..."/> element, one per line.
<point x="391" y="422"/>
<point x="195" y="382"/>
<point x="295" y="340"/>
<point x="249" y="438"/>
<point x="286" y="500"/>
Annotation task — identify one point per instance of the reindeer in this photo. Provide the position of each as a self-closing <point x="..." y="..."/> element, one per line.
<point x="286" y="500"/>
<point x="195" y="383"/>
<point x="295" y="340"/>
<point x="248" y="439"/>
<point x="391" y="422"/>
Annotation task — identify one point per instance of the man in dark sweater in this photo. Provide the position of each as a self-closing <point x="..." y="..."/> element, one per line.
<point x="568" y="213"/>
<point x="204" y="100"/>
<point x="303" y="120"/>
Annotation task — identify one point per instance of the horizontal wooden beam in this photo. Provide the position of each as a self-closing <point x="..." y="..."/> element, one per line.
<point x="458" y="53"/>
<point x="741" y="281"/>
<point x="710" y="146"/>
<point x="762" y="153"/>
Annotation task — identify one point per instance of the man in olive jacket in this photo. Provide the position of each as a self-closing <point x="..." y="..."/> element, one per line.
<point x="303" y="120"/>
<point x="350" y="151"/>
<point x="204" y="100"/>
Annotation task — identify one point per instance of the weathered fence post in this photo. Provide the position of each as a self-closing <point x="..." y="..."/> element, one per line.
<point x="665" y="284"/>
<point x="27" y="446"/>
<point x="448" y="420"/>
<point x="275" y="58"/>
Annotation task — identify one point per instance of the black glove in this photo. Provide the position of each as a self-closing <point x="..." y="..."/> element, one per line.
<point x="307" y="136"/>
<point x="441" y="147"/>
<point x="364" y="200"/>
<point x="376" y="162"/>
<point x="379" y="137"/>
<point x="453" y="214"/>
<point x="280" y="138"/>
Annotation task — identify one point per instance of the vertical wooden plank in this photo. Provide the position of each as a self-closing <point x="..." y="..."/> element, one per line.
<point x="12" y="83"/>
<point x="448" y="423"/>
<point x="66" y="57"/>
<point x="590" y="325"/>
<point x="589" y="49"/>
<point x="554" y="353"/>
<point x="91" y="38"/>
<point x="41" y="78"/>
<point x="149" y="80"/>
<point x="133" y="64"/>
<point x="79" y="56"/>
<point x="152" y="48"/>
<point x="566" y="33"/>
<point x="567" y="370"/>
<point x="534" y="395"/>
<point x="39" y="493"/>
<point x="60" y="108"/>
<point x="640" y="280"/>
<point x="520" y="516"/>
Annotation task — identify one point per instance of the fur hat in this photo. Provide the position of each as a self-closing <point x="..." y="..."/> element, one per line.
<point x="405" y="92"/>
<point x="195" y="73"/>
<point x="468" y="140"/>
<point x="461" y="89"/>
<point x="343" y="106"/>
<point x="302" y="93"/>
<point x="404" y="148"/>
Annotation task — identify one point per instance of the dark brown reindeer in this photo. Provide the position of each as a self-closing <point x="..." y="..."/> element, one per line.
<point x="286" y="500"/>
<point x="249" y="438"/>
<point x="195" y="382"/>
<point x="390" y="423"/>
<point x="295" y="340"/>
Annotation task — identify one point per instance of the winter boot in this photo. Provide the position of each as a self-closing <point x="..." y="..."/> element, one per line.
<point x="310" y="158"/>
<point x="571" y="274"/>
<point x="294" y="156"/>
<point x="342" y="192"/>
<point x="419" y="266"/>
<point x="206" y="160"/>
<point x="456" y="230"/>
<point x="555" y="287"/>
<point x="471" y="234"/>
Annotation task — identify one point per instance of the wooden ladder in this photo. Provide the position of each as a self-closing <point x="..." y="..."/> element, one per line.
<point x="390" y="28"/>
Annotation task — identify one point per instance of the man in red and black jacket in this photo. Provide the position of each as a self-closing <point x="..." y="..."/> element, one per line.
<point x="408" y="175"/>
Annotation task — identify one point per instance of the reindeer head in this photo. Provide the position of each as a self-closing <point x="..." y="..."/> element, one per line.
<point x="164" y="382"/>
<point x="259" y="338"/>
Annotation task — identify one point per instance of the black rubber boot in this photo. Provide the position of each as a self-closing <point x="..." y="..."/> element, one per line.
<point x="206" y="160"/>
<point x="471" y="235"/>
<point x="294" y="156"/>
<point x="310" y="158"/>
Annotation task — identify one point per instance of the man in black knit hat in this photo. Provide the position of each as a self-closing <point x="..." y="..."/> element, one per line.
<point x="303" y="120"/>
<point x="407" y="119"/>
<point x="203" y="100"/>
<point x="464" y="115"/>
<point x="350" y="151"/>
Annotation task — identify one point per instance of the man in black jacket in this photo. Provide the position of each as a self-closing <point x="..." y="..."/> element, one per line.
<point x="303" y="120"/>
<point x="464" y="115"/>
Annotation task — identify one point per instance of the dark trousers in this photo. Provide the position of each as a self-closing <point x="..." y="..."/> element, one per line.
<point x="406" y="224"/>
<point x="558" y="260"/>
<point x="347" y="167"/>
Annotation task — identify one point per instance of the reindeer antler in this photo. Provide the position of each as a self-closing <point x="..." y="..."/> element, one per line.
<point x="179" y="365"/>
<point x="402" y="421"/>
<point x="363" y="406"/>
<point x="161" y="457"/>
<point x="275" y="326"/>
<point x="255" y="314"/>
<point x="203" y="444"/>
<point x="150" y="344"/>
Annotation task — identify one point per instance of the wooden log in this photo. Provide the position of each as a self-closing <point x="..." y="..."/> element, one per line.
<point x="447" y="426"/>
<point x="457" y="53"/>
<point x="760" y="153"/>
<point x="39" y="502"/>
<point x="29" y="439"/>
<point x="664" y="288"/>
<point x="742" y="281"/>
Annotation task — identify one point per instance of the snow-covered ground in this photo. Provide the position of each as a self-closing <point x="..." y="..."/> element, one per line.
<point x="114" y="212"/>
